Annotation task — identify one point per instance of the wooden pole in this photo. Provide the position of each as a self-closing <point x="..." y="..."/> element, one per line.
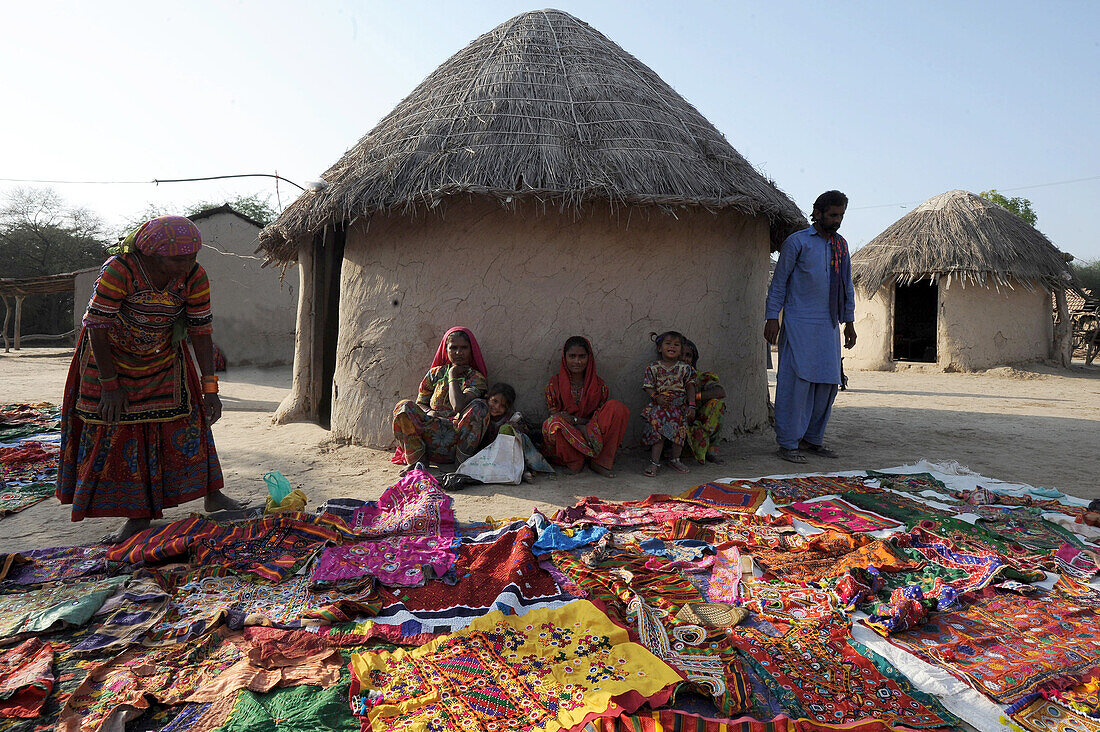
<point x="7" y="319"/>
<point x="18" y="319"/>
<point x="1063" y="330"/>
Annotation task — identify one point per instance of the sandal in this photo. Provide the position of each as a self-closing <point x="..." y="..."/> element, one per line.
<point x="819" y="450"/>
<point x="678" y="466"/>
<point x="651" y="469"/>
<point x="791" y="456"/>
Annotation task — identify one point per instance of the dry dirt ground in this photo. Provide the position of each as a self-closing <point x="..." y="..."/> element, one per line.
<point x="1039" y="426"/>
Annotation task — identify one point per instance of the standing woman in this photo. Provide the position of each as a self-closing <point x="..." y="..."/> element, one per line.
<point x="135" y="421"/>
<point x="449" y="416"/>
<point x="585" y="425"/>
<point x="702" y="438"/>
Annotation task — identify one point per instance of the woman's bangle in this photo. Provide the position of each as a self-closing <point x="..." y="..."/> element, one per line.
<point x="210" y="378"/>
<point x="210" y="387"/>
<point x="110" y="383"/>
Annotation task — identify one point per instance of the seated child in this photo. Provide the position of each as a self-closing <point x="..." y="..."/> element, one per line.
<point x="503" y="418"/>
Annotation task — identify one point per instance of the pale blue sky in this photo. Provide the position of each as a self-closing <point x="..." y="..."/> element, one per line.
<point x="891" y="102"/>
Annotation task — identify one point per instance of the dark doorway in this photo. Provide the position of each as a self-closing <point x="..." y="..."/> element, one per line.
<point x="915" y="308"/>
<point x="329" y="261"/>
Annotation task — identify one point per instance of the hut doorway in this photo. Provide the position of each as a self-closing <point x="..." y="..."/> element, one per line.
<point x="915" y="307"/>
<point x="329" y="258"/>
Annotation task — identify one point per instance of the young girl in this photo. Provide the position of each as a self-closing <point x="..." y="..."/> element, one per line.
<point x="670" y="384"/>
<point x="502" y="414"/>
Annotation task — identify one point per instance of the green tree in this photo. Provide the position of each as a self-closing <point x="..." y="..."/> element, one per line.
<point x="1019" y="206"/>
<point x="1088" y="271"/>
<point x="41" y="235"/>
<point x="255" y="206"/>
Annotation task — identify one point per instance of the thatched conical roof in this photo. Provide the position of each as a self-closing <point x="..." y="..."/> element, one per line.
<point x="958" y="234"/>
<point x="542" y="107"/>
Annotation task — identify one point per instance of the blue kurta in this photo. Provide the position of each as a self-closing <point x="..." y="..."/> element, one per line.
<point x="809" y="341"/>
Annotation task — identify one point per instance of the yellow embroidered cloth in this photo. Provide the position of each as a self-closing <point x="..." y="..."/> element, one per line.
<point x="547" y="670"/>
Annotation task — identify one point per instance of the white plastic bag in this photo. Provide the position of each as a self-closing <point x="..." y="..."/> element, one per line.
<point x="500" y="462"/>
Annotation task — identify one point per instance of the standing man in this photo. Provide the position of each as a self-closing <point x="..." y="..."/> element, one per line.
<point x="812" y="286"/>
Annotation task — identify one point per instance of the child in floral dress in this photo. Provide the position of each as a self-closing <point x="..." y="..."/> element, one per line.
<point x="670" y="384"/>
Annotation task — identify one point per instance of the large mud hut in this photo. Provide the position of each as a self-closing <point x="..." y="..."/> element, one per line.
<point x="542" y="182"/>
<point x="959" y="283"/>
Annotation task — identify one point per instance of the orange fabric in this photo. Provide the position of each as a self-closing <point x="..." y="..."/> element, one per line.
<point x="608" y="422"/>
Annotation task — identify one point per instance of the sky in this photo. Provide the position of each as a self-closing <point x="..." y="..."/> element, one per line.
<point x="890" y="102"/>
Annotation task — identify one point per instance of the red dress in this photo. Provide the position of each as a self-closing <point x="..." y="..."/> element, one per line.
<point x="568" y="444"/>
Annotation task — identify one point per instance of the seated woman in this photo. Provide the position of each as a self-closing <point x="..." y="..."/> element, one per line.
<point x="584" y="426"/>
<point x="447" y="420"/>
<point x="703" y="432"/>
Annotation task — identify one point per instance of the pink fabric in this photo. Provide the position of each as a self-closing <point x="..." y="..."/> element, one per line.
<point x="725" y="579"/>
<point x="414" y="506"/>
<point x="398" y="561"/>
<point x="475" y="351"/>
<point x="168" y="236"/>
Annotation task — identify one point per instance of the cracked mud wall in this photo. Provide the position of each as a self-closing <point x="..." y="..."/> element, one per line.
<point x="982" y="327"/>
<point x="525" y="281"/>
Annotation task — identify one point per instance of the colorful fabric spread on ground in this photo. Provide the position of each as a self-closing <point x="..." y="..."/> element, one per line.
<point x="718" y="610"/>
<point x="833" y="512"/>
<point x="547" y="670"/>
<point x="28" y="454"/>
<point x="1007" y="646"/>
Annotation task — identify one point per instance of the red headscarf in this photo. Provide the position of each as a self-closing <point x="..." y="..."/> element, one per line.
<point x="590" y="392"/>
<point x="475" y="351"/>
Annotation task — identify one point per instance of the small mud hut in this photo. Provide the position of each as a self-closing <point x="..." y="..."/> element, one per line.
<point x="958" y="282"/>
<point x="541" y="183"/>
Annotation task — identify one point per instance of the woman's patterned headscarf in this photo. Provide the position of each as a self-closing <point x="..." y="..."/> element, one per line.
<point x="168" y="236"/>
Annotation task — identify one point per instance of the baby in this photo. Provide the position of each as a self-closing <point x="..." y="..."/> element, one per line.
<point x="503" y="418"/>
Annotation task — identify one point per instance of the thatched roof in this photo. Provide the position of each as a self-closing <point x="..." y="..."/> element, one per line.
<point x="960" y="235"/>
<point x="543" y="107"/>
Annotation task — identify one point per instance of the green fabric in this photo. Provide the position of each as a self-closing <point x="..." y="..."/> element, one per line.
<point x="54" y="607"/>
<point x="891" y="505"/>
<point x="912" y="483"/>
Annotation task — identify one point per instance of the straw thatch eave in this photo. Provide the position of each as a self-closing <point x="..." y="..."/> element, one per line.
<point x="962" y="236"/>
<point x="542" y="108"/>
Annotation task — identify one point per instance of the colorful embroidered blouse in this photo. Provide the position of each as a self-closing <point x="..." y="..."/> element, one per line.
<point x="140" y="319"/>
<point x="672" y="381"/>
<point x="434" y="393"/>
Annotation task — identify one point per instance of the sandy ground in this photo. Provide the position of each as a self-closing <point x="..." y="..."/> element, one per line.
<point x="1039" y="426"/>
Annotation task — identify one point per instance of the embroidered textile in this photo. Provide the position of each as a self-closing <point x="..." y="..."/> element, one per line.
<point x="1007" y="646"/>
<point x="819" y="673"/>
<point x="55" y="606"/>
<point x="1045" y="715"/>
<point x="497" y="574"/>
<point x="414" y="506"/>
<point x="739" y="497"/>
<point x="24" y="420"/>
<point x="913" y="483"/>
<point x="782" y="603"/>
<point x="546" y="670"/>
<point x="1084" y="696"/>
<point x="407" y="561"/>
<point x="17" y="495"/>
<point x="1026" y="527"/>
<point x="650" y="600"/>
<point x="58" y="564"/>
<point x="130" y="614"/>
<point x="26" y="678"/>
<point x="975" y="539"/>
<point x="836" y="513"/>
<point x="205" y="597"/>
<point x="972" y="571"/>
<point x="725" y="577"/>
<point x="203" y="670"/>
<point x="1076" y="563"/>
<point x="655" y="509"/>
<point x="789" y="490"/>
<point x="892" y="505"/>
<point x="823" y="556"/>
